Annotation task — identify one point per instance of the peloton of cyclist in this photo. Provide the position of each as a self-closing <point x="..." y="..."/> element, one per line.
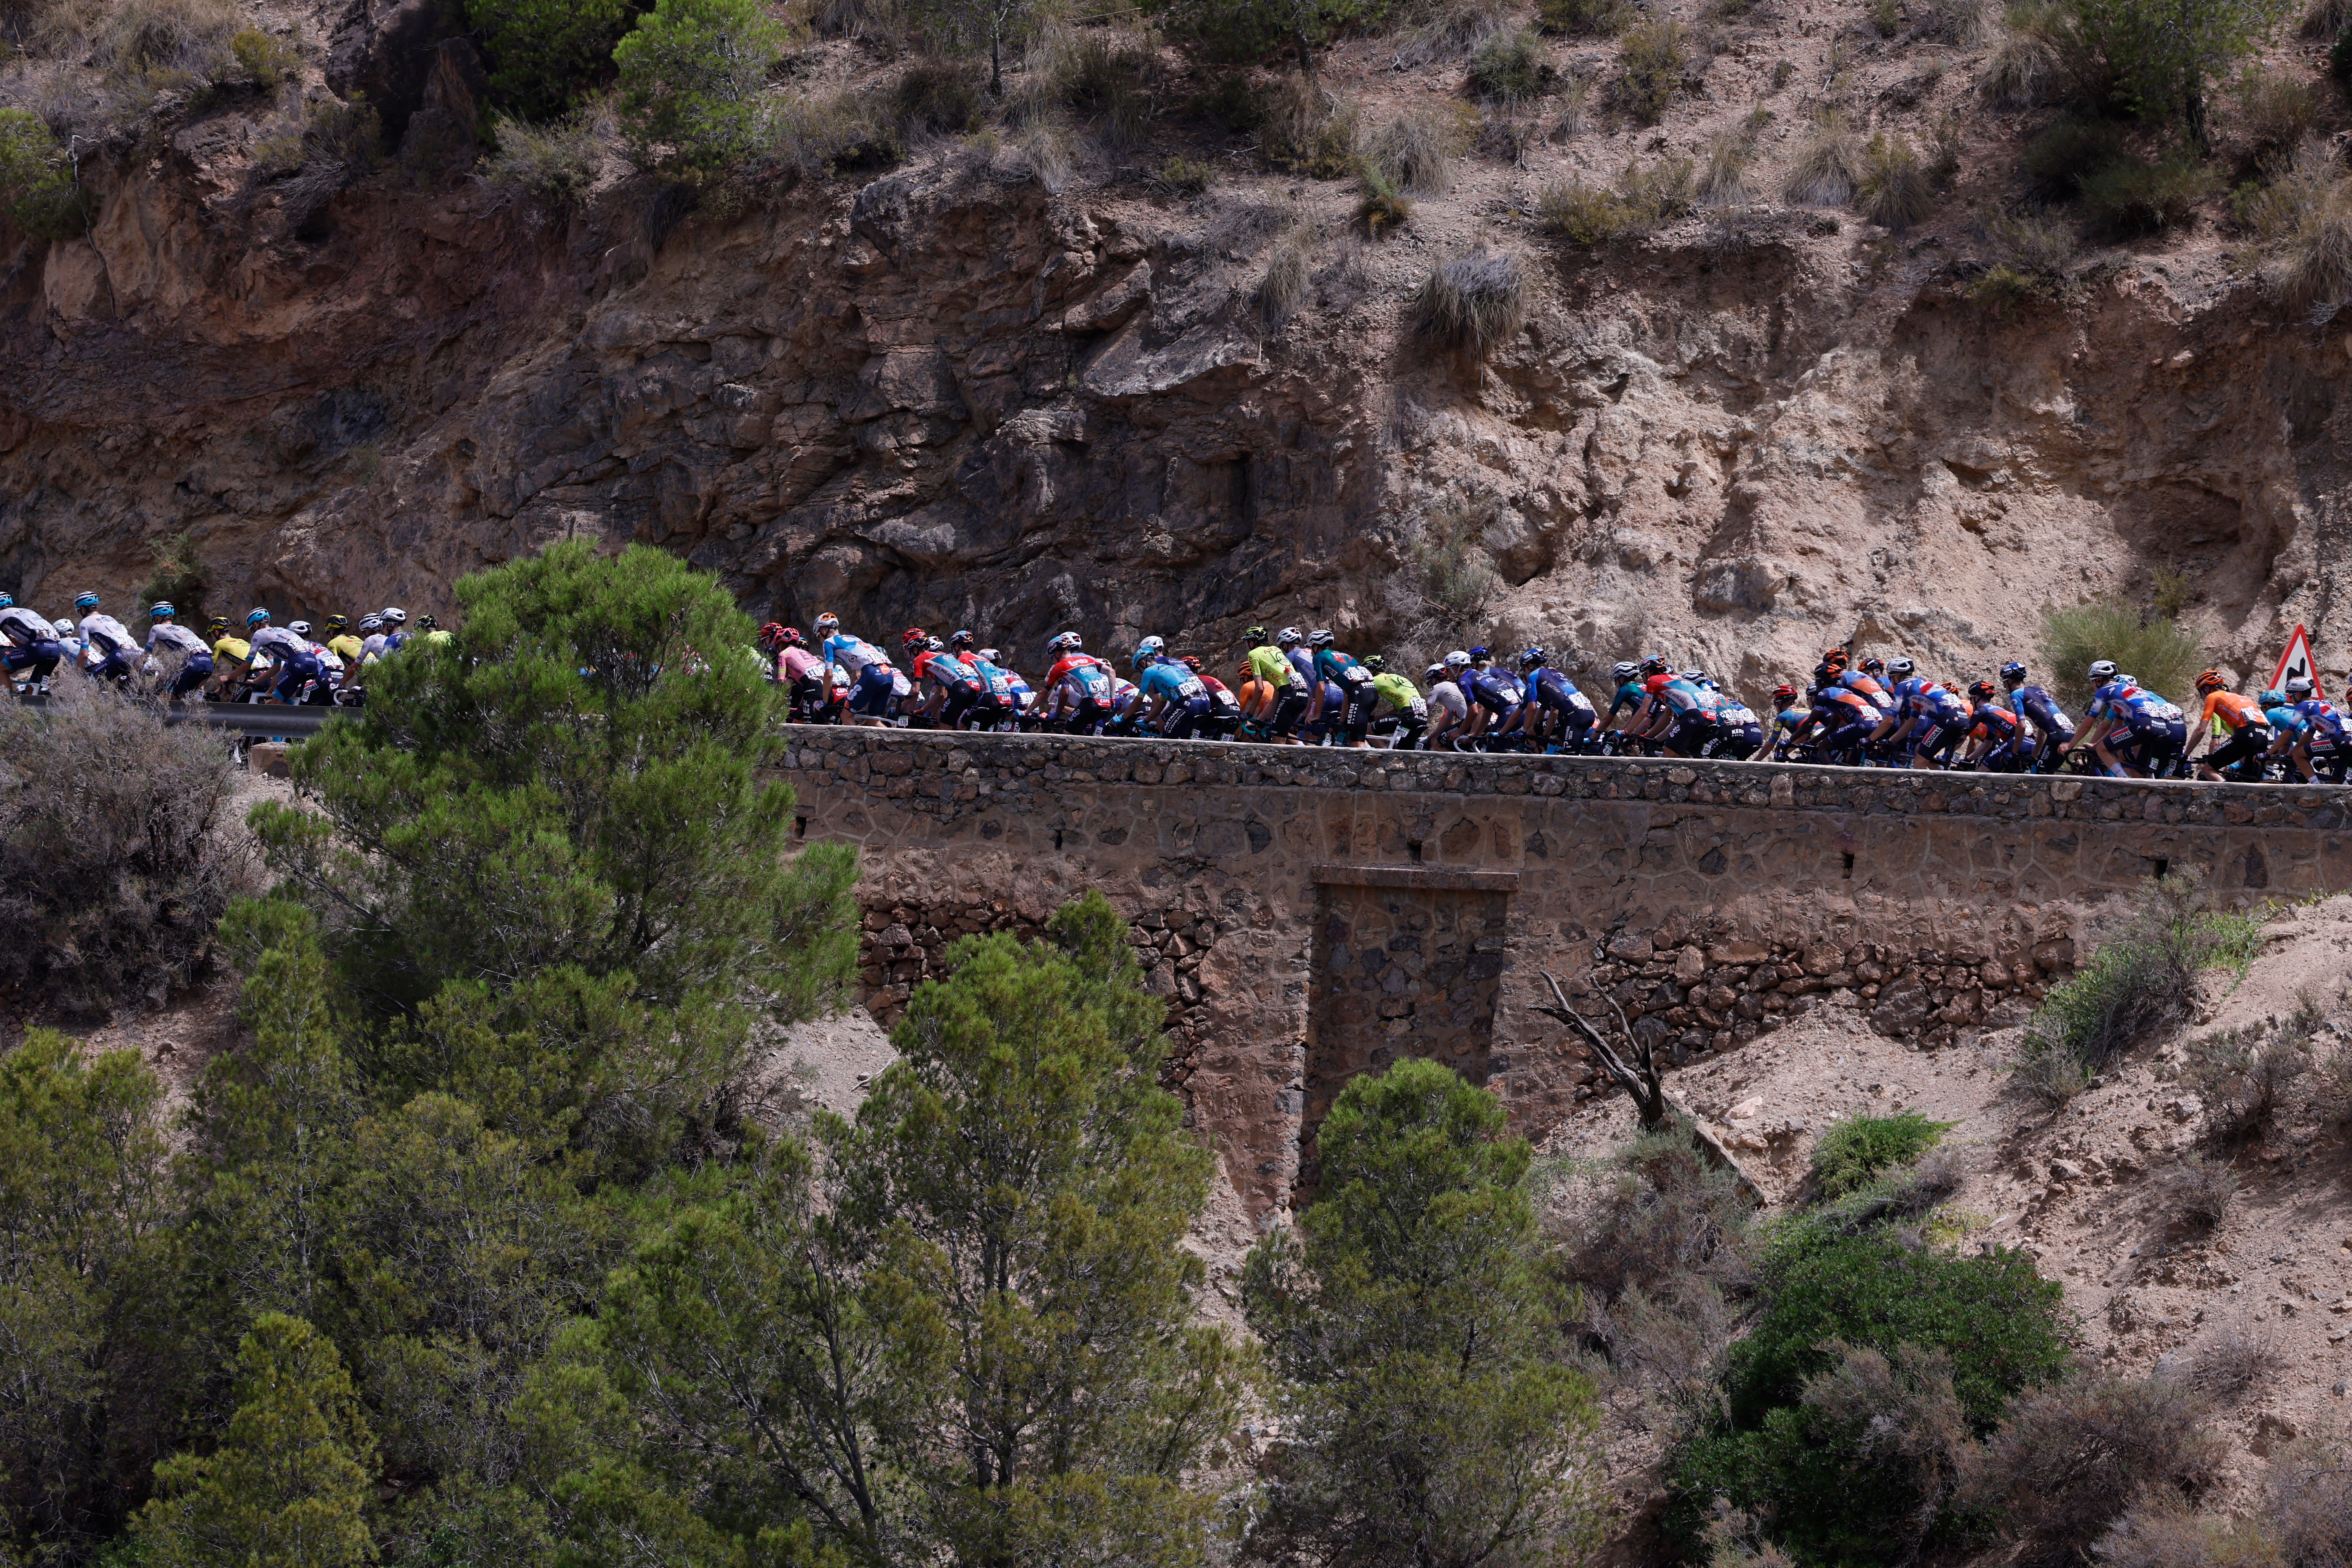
<point x="1397" y="704"/>
<point x="1339" y="672"/>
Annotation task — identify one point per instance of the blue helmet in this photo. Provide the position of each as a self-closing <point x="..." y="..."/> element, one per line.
<point x="2013" y="673"/>
<point x="257" y="617"/>
<point x="7" y="601"/>
<point x="162" y="610"/>
<point x="86" y="601"/>
<point x="1533" y="656"/>
<point x="2273" y="698"/>
<point x="1478" y="653"/>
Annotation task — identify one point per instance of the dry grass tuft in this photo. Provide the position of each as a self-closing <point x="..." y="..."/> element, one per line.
<point x="2234" y="1360"/>
<point x="1417" y="151"/>
<point x="2067" y="1461"/>
<point x="1459" y="27"/>
<point x="1472" y="303"/>
<point x="1289" y="278"/>
<point x="2199" y="1191"/>
<point x="1305" y="135"/>
<point x="1512" y="68"/>
<point x="2304" y="217"/>
<point x="1646" y="197"/>
<point x="1724" y="178"/>
<point x="1895" y="189"/>
<point x="1829" y="165"/>
<point x="550" y="166"/>
<point x="1585" y="19"/>
<point x="2276" y="109"/>
<point x="1650" y="60"/>
<point x="2027" y="66"/>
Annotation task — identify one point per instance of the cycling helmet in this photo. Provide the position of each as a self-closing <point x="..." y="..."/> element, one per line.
<point x="790" y="636"/>
<point x="1982" y="690"/>
<point x="1532" y="657"/>
<point x="1695" y="676"/>
<point x="912" y="636"/>
<point x="2013" y="673"/>
<point x="1784" y="692"/>
<point x="257" y="617"/>
<point x="1190" y="661"/>
<point x="2102" y="672"/>
<point x="1320" y="637"/>
<point x="1482" y="656"/>
<point x="1655" y="665"/>
<point x="1873" y="667"/>
<point x="1901" y="670"/>
<point x="1145" y="658"/>
<point x="2123" y="679"/>
<point x="368" y="623"/>
<point x="64" y="627"/>
<point x="162" y="610"/>
<point x="7" y="601"/>
<point x="300" y="629"/>
<point x="827" y="623"/>
<point x="1064" y="642"/>
<point x="960" y="639"/>
<point x="2273" y="698"/>
<point x="988" y="656"/>
<point x="218" y="624"/>
<point x="1157" y="644"/>
<point x="393" y="615"/>
<point x="2210" y="679"/>
<point x="1287" y="637"/>
<point x="933" y="645"/>
<point x="1254" y="635"/>
<point x="772" y="633"/>
<point x="426" y="623"/>
<point x="1833" y="656"/>
<point x="86" y="601"/>
<point x="1373" y="661"/>
<point x="2298" y="686"/>
<point x="1458" y="660"/>
<point x="339" y="623"/>
<point x="1623" y="671"/>
<point x="1433" y="674"/>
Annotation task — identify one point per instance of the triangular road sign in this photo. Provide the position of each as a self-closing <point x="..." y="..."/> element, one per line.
<point x="2297" y="660"/>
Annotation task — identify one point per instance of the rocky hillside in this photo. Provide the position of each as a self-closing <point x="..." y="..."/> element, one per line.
<point x="1034" y="375"/>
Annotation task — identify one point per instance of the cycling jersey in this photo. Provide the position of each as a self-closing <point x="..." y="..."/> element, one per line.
<point x="2226" y="711"/>
<point x="853" y="654"/>
<point x="2319" y="720"/>
<point x="998" y="679"/>
<point x="1672" y="692"/>
<point x="1496" y="687"/>
<point x="1085" y="677"/>
<point x="948" y="671"/>
<point x="1868" y="689"/>
<point x="1302" y="664"/>
<point x="235" y="649"/>
<point x="1269" y="666"/>
<point x="24" y="628"/>
<point x="348" y="648"/>
<point x="2133" y="706"/>
<point x="1333" y="665"/>
<point x="1396" y="691"/>
<point x="795" y="665"/>
<point x="107" y="636"/>
<point x="1549" y="687"/>
<point x="1629" y="695"/>
<point x="1447" y="696"/>
<point x="1920" y="698"/>
<point x="1172" y="682"/>
<point x="1997" y="723"/>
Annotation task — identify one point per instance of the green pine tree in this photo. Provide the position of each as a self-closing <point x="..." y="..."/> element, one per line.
<point x="691" y="75"/>
<point x="287" y="1485"/>
<point x="1429" y="1414"/>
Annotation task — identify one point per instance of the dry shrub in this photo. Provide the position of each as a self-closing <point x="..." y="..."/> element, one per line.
<point x="2026" y="67"/>
<point x="2327" y="19"/>
<point x="2243" y="1075"/>
<point x="1458" y="28"/>
<point x="1105" y="72"/>
<point x="1724" y="179"/>
<point x="1895" y="190"/>
<point x="936" y="96"/>
<point x="2304" y="215"/>
<point x="2334" y="1088"/>
<point x="2276" y="109"/>
<point x="1828" y="166"/>
<point x="816" y="138"/>
<point x="1472" y="303"/>
<point x="116" y="861"/>
<point x="1305" y="135"/>
<point x="2198" y="1192"/>
<point x="880" y="20"/>
<point x="1585" y="19"/>
<point x="550" y="166"/>
<point x="1417" y="151"/>
<point x="2034" y="241"/>
<point x="1899" y="1415"/>
<point x="180" y="40"/>
<point x="1289" y="276"/>
<point x="1511" y="67"/>
<point x="2232" y="1360"/>
<point x="1383" y="209"/>
<point x="2067" y="1461"/>
<point x="1646" y="197"/>
<point x="1182" y="176"/>
<point x="2148" y="195"/>
<point x="2306" y="1502"/>
<point x="2160" y="1531"/>
<point x="1650" y="60"/>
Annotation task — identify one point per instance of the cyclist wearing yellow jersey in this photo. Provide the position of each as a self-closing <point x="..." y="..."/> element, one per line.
<point x="232" y="657"/>
<point x="1286" y="703"/>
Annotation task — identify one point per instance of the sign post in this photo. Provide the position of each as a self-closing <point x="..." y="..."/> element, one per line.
<point x="2297" y="660"/>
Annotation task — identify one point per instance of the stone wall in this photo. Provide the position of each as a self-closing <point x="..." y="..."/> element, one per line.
<point x="1708" y="899"/>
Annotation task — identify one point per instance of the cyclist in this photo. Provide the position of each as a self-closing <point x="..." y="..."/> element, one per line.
<point x="331" y="668"/>
<point x="1870" y="683"/>
<point x="1496" y="699"/>
<point x="341" y="643"/>
<point x="999" y="708"/>
<point x="32" y="650"/>
<point x="955" y="688"/>
<point x="1673" y="711"/>
<point x="1626" y="678"/>
<point x="1558" y="717"/>
<point x="1080" y="688"/>
<point x="1397" y="706"/>
<point x="288" y="653"/>
<point x="109" y="641"/>
<point x="2317" y="724"/>
<point x="1787" y="719"/>
<point x="1998" y="737"/>
<point x="1018" y="691"/>
<point x="874" y="682"/>
<point x="2232" y="727"/>
<point x="167" y="636"/>
<point x="1224" y="708"/>
<point x="1173" y="697"/>
<point x="2052" y="731"/>
<point x="395" y="629"/>
<point x="1449" y="705"/>
<point x="1352" y="718"/>
<point x="2152" y="730"/>
<point x="1842" y="718"/>
<point x="1280" y="701"/>
<point x="802" y="674"/>
<point x="1937" y="717"/>
<point x="1291" y="643"/>
<point x="1738" y="730"/>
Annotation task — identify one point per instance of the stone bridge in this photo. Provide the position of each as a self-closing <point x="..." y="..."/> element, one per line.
<point x="1313" y="913"/>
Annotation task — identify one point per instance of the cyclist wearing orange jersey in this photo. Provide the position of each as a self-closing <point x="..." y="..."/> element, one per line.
<point x="2233" y="727"/>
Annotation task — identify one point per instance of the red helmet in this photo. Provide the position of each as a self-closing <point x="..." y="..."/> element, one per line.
<point x="1982" y="690"/>
<point x="913" y="636"/>
<point x="789" y="635"/>
<point x="1784" y="692"/>
<point x="1192" y="662"/>
<point x="772" y="633"/>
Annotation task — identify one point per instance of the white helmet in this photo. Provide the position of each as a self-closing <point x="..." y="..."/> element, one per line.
<point x="63" y="627"/>
<point x="1064" y="642"/>
<point x="2102" y="672"/>
<point x="1434" y="672"/>
<point x="1458" y="660"/>
<point x="396" y="616"/>
<point x="300" y="629"/>
<point x="1901" y="668"/>
<point x="2298" y="686"/>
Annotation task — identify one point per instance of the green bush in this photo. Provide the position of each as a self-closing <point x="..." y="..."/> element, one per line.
<point x="1858" y="1150"/>
<point x="690" y="75"/>
<point x="37" y="191"/>
<point x="1185" y="176"/>
<point x="1585" y="19"/>
<point x="2148" y="195"/>
<point x="2164" y="656"/>
<point x="1383" y="210"/>
<point x="267" y="62"/>
<point x="2067" y="149"/>
<point x="1652" y="58"/>
<point x="1645" y="198"/>
<point x="545" y="55"/>
<point x="552" y="166"/>
<point x="2143" y="978"/>
<point x="2163" y="56"/>
<point x="2002" y="290"/>
<point x="2068" y="1460"/>
<point x="1956" y="1339"/>
<point x="1511" y="67"/>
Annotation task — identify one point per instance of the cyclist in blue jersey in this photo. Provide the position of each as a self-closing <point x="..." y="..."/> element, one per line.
<point x="1674" y="711"/>
<point x="1739" y="731"/>
<point x="1351" y="719"/>
<point x="1787" y="719"/>
<point x="2318" y="729"/>
<point x="1557" y="716"/>
<point x="873" y="679"/>
<point x="1937" y="717"/>
<point x="2052" y="731"/>
<point x="2133" y="732"/>
<point x="1999" y="740"/>
<point x="1626" y="678"/>
<point x="1496" y="698"/>
<point x="1080" y="688"/>
<point x="1173" y="698"/>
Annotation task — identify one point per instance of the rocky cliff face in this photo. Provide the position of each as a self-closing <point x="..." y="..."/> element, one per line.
<point x="948" y="396"/>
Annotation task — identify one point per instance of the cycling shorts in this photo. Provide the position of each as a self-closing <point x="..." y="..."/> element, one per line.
<point x="193" y="674"/>
<point x="1288" y="708"/>
<point x="2249" y="742"/>
<point x="2154" y="747"/>
<point x="1690" y="732"/>
<point x="1941" y="735"/>
<point x="870" y="697"/>
<point x="1356" y="718"/>
<point x="1740" y="741"/>
<point x="961" y="700"/>
<point x="1184" y="717"/>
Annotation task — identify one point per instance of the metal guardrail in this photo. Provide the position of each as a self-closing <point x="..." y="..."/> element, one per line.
<point x="253" y="721"/>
